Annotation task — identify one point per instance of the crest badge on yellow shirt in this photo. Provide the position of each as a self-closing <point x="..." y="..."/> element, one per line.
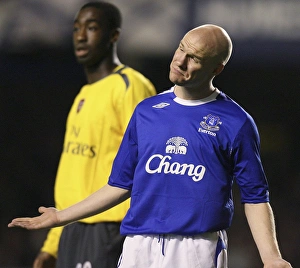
<point x="80" y="104"/>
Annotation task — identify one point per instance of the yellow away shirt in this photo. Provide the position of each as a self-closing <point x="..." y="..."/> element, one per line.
<point x="95" y="127"/>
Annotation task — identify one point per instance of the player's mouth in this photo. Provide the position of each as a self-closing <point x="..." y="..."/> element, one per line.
<point x="176" y="71"/>
<point x="81" y="52"/>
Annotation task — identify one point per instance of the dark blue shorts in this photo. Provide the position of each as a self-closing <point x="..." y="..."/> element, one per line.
<point x="90" y="245"/>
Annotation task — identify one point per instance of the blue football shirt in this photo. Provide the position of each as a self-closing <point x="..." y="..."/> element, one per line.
<point x="179" y="158"/>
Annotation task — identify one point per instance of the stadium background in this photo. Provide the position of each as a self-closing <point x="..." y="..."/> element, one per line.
<point x="39" y="78"/>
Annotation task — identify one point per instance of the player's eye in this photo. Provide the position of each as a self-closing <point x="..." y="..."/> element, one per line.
<point x="92" y="28"/>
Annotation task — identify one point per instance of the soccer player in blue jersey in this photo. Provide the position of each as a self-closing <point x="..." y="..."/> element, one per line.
<point x="180" y="154"/>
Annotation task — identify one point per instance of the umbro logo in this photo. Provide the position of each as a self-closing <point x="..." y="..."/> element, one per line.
<point x="161" y="105"/>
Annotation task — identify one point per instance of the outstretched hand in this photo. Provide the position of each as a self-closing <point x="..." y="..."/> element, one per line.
<point x="47" y="219"/>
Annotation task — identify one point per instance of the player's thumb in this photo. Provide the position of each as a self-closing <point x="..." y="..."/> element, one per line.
<point x="42" y="209"/>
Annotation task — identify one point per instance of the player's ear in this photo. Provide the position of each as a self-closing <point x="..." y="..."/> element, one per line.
<point x="219" y="69"/>
<point x="115" y="35"/>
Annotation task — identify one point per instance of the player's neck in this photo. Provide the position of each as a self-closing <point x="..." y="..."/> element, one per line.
<point x="193" y="93"/>
<point x="102" y="70"/>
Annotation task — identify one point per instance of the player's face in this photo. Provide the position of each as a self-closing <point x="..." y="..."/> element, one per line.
<point x="192" y="65"/>
<point x="91" y="38"/>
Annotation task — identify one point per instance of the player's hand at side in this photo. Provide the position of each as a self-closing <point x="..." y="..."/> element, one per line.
<point x="277" y="263"/>
<point x="47" y="219"/>
<point x="44" y="260"/>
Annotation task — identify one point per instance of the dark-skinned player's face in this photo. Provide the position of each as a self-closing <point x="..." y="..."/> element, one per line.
<point x="91" y="37"/>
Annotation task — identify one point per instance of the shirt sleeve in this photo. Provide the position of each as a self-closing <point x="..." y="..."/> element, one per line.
<point x="247" y="166"/>
<point x="126" y="159"/>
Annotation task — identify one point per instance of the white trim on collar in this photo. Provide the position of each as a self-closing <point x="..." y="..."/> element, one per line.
<point x="211" y="97"/>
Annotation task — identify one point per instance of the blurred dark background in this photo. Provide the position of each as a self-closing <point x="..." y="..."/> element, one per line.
<point x="39" y="78"/>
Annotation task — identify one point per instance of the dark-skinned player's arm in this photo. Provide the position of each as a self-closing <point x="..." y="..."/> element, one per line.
<point x="100" y="201"/>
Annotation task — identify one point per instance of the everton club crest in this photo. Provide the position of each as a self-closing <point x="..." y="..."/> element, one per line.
<point x="211" y="122"/>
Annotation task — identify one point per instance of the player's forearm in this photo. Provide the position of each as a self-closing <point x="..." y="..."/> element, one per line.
<point x="261" y="221"/>
<point x="100" y="201"/>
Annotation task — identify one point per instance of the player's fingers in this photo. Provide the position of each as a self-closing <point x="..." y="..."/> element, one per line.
<point x="21" y="222"/>
<point x="47" y="219"/>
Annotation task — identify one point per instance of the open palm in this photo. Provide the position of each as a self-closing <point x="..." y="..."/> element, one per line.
<point x="47" y="219"/>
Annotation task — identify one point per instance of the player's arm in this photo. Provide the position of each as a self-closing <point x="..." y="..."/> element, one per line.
<point x="100" y="201"/>
<point x="262" y="225"/>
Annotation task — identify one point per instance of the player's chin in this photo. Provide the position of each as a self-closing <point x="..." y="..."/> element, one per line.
<point x="175" y="79"/>
<point x="87" y="60"/>
<point x="81" y="60"/>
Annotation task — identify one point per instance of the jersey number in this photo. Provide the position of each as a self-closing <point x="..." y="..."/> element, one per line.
<point x="87" y="264"/>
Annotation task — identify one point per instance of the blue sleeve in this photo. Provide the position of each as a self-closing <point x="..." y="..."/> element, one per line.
<point x="126" y="159"/>
<point x="247" y="167"/>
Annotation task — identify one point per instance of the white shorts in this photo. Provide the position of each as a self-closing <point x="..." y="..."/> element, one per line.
<point x="208" y="250"/>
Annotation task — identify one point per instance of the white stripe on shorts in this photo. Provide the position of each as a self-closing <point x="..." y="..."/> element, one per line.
<point x="208" y="250"/>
